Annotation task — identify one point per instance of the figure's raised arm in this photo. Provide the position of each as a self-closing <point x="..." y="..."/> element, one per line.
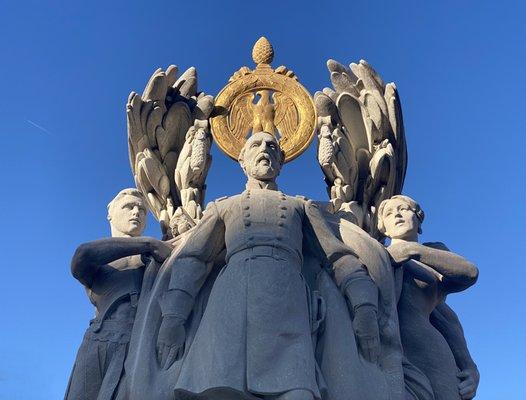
<point x="89" y="257"/>
<point x="456" y="272"/>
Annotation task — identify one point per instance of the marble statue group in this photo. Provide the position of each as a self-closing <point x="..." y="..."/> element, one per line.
<point x="263" y="295"/>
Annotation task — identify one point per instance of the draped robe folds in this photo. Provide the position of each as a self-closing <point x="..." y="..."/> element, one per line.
<point x="336" y="372"/>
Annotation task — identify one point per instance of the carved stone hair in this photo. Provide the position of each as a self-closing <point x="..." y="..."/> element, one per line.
<point x="413" y="205"/>
<point x="126" y="192"/>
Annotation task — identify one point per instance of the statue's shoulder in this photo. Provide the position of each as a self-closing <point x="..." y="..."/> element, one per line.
<point x="217" y="203"/>
<point x="301" y="198"/>
<point x="306" y="201"/>
<point x="225" y="202"/>
<point x="220" y="202"/>
<point x="292" y="200"/>
<point x="220" y="199"/>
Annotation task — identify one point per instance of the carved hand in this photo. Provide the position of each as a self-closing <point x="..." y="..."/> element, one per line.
<point x="159" y="250"/>
<point x="469" y="381"/>
<point x="170" y="341"/>
<point x="367" y="333"/>
<point x="400" y="252"/>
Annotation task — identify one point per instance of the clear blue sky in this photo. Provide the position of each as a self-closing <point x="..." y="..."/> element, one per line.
<point x="67" y="68"/>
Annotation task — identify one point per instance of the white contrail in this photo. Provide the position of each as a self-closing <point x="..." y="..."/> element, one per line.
<point x="39" y="127"/>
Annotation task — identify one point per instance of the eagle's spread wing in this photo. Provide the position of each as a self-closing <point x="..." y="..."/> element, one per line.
<point x="242" y="117"/>
<point x="286" y="115"/>
<point x="362" y="149"/>
<point x="161" y="127"/>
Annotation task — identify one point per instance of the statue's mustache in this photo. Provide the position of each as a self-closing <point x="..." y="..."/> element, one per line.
<point x="263" y="156"/>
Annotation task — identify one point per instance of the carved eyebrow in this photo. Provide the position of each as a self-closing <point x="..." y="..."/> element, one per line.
<point x="134" y="203"/>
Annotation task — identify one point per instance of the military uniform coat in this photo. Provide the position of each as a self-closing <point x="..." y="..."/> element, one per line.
<point x="255" y="334"/>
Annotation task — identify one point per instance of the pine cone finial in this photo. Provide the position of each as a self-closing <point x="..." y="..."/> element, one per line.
<point x="262" y="52"/>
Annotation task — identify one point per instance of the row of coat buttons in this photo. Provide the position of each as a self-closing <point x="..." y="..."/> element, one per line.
<point x="246" y="215"/>
<point x="278" y="237"/>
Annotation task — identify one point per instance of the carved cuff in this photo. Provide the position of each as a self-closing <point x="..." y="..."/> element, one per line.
<point x="177" y="303"/>
<point x="345" y="267"/>
<point x="360" y="290"/>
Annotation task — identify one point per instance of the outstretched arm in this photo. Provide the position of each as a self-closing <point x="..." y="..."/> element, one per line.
<point x="89" y="257"/>
<point x="445" y="320"/>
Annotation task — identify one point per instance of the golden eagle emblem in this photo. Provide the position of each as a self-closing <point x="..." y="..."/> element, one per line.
<point x="267" y="100"/>
<point x="264" y="111"/>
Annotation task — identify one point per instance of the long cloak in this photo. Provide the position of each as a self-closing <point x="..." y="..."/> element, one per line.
<point x="348" y="376"/>
<point x="342" y="373"/>
<point x="144" y="379"/>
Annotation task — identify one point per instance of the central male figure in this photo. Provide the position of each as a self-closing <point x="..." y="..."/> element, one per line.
<point x="254" y="339"/>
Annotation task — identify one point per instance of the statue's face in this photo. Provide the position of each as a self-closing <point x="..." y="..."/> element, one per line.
<point x="262" y="158"/>
<point x="400" y="221"/>
<point x="127" y="215"/>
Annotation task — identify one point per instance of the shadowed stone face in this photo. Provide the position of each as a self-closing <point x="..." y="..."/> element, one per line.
<point x="261" y="157"/>
<point x="399" y="220"/>
<point x="127" y="216"/>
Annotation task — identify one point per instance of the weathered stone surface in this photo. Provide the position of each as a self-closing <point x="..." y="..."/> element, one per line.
<point x="266" y="295"/>
<point x="111" y="270"/>
<point x="430" y="273"/>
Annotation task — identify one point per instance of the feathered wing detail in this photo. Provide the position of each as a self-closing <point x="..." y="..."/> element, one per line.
<point x="242" y="117"/>
<point x="286" y="115"/>
<point x="169" y="147"/>
<point x="362" y="149"/>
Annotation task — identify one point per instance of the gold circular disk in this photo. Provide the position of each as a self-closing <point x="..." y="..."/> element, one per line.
<point x="267" y="100"/>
